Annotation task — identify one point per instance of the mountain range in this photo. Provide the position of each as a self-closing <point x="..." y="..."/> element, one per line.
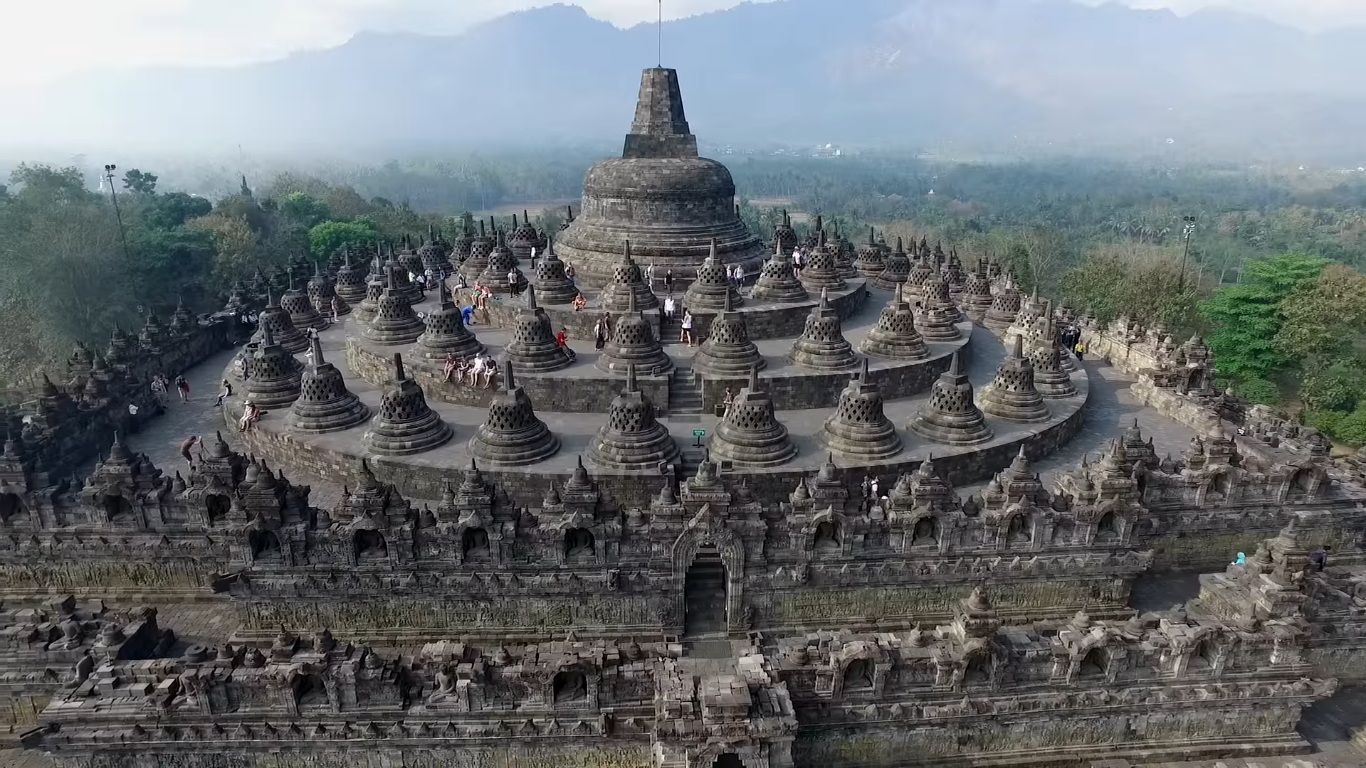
<point x="944" y="76"/>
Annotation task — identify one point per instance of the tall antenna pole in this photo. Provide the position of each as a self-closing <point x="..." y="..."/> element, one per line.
<point x="659" y="34"/>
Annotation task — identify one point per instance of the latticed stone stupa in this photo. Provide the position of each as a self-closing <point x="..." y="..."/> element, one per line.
<point x="552" y="284"/>
<point x="859" y="430"/>
<point x="727" y="350"/>
<point x="512" y="435"/>
<point x="395" y="323"/>
<point x="324" y="403"/>
<point x="822" y="346"/>
<point x="627" y="284"/>
<point x="445" y="332"/>
<point x="632" y="439"/>
<point x="778" y="281"/>
<point x="896" y="269"/>
<point x="633" y="344"/>
<point x="273" y="318"/>
<point x="533" y="348"/>
<point x="951" y="417"/>
<point x="750" y="434"/>
<point x="713" y="288"/>
<point x="895" y="336"/>
<point x="275" y="374"/>
<point x="1011" y="395"/>
<point x="405" y="424"/>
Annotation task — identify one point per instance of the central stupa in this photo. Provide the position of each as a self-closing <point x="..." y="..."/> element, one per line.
<point x="670" y="203"/>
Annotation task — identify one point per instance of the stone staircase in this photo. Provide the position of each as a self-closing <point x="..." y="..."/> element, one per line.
<point x="685" y="396"/>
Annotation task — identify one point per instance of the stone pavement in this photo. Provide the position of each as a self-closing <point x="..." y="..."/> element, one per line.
<point x="160" y="437"/>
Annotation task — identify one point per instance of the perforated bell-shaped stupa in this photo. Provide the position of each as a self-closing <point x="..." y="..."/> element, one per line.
<point x="627" y="281"/>
<point x="976" y="297"/>
<point x="896" y="269"/>
<point x="822" y="346"/>
<point x="871" y="259"/>
<point x="445" y="332"/>
<point x="480" y="247"/>
<point x="1050" y="377"/>
<point x="275" y="374"/>
<point x="784" y="236"/>
<point x="523" y="238"/>
<point x="727" y="351"/>
<point x="937" y="314"/>
<point x="951" y="417"/>
<point x="659" y="195"/>
<point x="325" y="404"/>
<point x="512" y="435"/>
<point x="350" y="282"/>
<point x="405" y="423"/>
<point x="395" y="323"/>
<point x="502" y="263"/>
<point x="533" y="348"/>
<point x="321" y="293"/>
<point x="712" y="289"/>
<point x="402" y="282"/>
<point x="859" y="429"/>
<point x="820" y="270"/>
<point x="276" y="320"/>
<point x="432" y="255"/>
<point x="1004" y="307"/>
<point x="633" y="343"/>
<point x="552" y="284"/>
<point x="895" y="337"/>
<point x="1011" y="394"/>
<point x="750" y="435"/>
<point x="777" y="280"/>
<point x="632" y="439"/>
<point x="301" y="311"/>
<point x="375" y="283"/>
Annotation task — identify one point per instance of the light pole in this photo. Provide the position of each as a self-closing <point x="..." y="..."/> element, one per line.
<point x="118" y="215"/>
<point x="1187" y="232"/>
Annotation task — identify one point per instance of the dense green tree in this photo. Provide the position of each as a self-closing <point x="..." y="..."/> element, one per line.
<point x="304" y="209"/>
<point x="328" y="237"/>
<point x="140" y="182"/>
<point x="1246" y="318"/>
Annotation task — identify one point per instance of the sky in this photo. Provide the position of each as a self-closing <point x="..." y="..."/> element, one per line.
<point x="49" y="39"/>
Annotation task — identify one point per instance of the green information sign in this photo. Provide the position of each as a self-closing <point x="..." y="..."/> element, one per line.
<point x="699" y="434"/>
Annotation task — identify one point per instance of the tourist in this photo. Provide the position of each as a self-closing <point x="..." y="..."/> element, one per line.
<point x="686" y="334"/>
<point x="1319" y="557"/>
<point x="738" y="275"/>
<point x="467" y="314"/>
<point x="159" y="389"/>
<point x="668" y="309"/>
<point x="579" y="302"/>
<point x="489" y="370"/>
<point x="250" y="415"/>
<point x="874" y="494"/>
<point x="533" y="258"/>
<point x="449" y="367"/>
<point x="600" y="333"/>
<point x="569" y="272"/>
<point x="224" y="393"/>
<point x="460" y="283"/>
<point x="669" y="281"/>
<point x="562" y="338"/>
<point x="183" y="387"/>
<point x="727" y="402"/>
<point x="1241" y="559"/>
<point x="1080" y="349"/>
<point x="867" y="487"/>
<point x="649" y="274"/>
<point x="186" y="446"/>
<point x="512" y="281"/>
<point x="336" y="309"/>
<point x="797" y="262"/>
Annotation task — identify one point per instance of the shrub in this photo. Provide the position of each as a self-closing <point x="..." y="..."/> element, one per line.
<point x="1259" y="391"/>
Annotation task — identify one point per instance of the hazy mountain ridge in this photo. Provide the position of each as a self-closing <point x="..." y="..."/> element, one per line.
<point x="935" y="73"/>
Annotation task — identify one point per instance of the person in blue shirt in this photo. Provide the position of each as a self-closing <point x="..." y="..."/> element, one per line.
<point x="467" y="315"/>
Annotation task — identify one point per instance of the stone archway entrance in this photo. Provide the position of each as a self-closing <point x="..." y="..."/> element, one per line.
<point x="728" y="760"/>
<point x="704" y="590"/>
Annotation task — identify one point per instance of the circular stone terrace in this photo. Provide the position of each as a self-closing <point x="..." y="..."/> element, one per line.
<point x="574" y="401"/>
